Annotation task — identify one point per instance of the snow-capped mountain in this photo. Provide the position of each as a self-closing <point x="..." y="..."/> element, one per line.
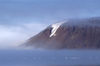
<point x="79" y="33"/>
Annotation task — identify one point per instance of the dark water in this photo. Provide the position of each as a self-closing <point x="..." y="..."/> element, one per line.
<point x="49" y="57"/>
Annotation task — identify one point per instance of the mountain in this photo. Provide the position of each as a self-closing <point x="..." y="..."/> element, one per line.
<point x="69" y="34"/>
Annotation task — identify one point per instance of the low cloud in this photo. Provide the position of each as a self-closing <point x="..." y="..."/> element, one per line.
<point x="12" y="36"/>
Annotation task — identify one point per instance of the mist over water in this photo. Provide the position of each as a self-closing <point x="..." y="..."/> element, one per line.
<point x="13" y="36"/>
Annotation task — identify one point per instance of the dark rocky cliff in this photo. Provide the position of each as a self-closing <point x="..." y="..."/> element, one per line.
<point x="84" y="33"/>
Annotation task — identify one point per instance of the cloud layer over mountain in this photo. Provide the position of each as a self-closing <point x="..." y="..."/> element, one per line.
<point x="19" y="19"/>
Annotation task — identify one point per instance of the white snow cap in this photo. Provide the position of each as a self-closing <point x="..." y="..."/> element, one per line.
<point x="54" y="28"/>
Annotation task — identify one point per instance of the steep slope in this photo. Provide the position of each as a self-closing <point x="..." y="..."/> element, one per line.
<point x="83" y="33"/>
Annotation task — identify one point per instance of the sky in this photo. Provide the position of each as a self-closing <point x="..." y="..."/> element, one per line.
<point x="22" y="19"/>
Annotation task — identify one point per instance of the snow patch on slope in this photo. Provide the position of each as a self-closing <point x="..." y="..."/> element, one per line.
<point x="55" y="28"/>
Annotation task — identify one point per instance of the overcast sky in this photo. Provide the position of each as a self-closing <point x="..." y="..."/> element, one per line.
<point x="21" y="19"/>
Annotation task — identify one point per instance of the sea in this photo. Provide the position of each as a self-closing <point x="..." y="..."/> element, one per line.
<point x="29" y="57"/>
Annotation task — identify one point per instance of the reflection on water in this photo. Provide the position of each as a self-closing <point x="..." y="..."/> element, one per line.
<point x="49" y="57"/>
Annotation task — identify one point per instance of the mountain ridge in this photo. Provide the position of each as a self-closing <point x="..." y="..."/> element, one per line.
<point x="69" y="34"/>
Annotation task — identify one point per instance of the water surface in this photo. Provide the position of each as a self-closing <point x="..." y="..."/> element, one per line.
<point x="49" y="57"/>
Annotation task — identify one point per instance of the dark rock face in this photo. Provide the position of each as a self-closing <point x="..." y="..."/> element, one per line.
<point x="69" y="35"/>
